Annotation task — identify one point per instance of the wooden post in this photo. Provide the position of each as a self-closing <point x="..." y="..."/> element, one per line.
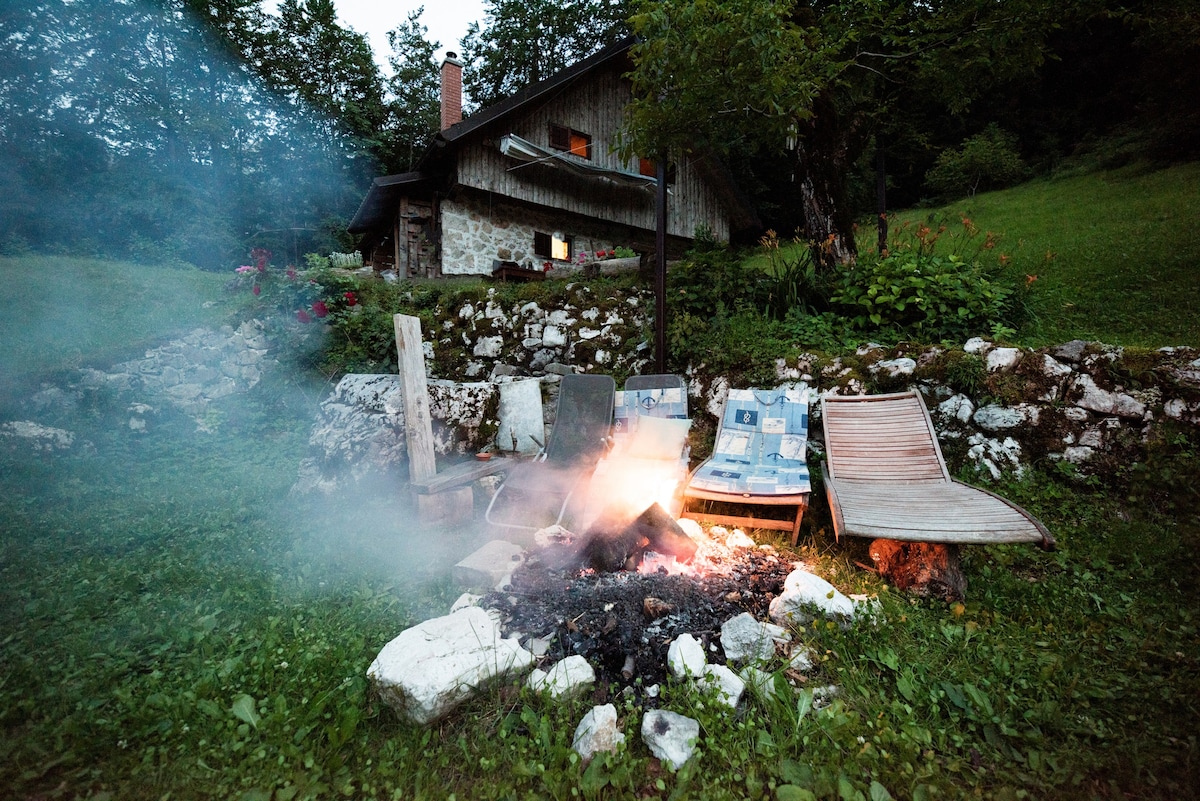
<point x="418" y="425"/>
<point x="660" y="268"/>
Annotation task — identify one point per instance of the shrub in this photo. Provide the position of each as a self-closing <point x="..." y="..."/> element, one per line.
<point x="987" y="160"/>
<point x="930" y="284"/>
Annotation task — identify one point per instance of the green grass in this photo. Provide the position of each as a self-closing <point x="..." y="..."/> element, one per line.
<point x="63" y="310"/>
<point x="1116" y="254"/>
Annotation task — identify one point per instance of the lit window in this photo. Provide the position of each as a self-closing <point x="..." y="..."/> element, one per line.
<point x="569" y="141"/>
<point x="552" y="246"/>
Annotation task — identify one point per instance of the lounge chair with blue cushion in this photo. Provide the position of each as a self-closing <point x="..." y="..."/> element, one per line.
<point x="759" y="459"/>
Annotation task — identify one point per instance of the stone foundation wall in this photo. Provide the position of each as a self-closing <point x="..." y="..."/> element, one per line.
<point x="477" y="231"/>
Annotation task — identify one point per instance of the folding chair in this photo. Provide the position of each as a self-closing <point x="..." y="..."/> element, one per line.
<point x="537" y="494"/>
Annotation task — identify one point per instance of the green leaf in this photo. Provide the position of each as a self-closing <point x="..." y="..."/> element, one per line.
<point x="243" y="709"/>
<point x="879" y="792"/>
<point x="790" y="792"/>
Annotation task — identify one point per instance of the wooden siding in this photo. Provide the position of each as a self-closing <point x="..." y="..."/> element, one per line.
<point x="594" y="106"/>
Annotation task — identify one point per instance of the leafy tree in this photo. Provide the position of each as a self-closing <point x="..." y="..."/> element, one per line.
<point x="413" y="92"/>
<point x="823" y="77"/>
<point x="525" y="41"/>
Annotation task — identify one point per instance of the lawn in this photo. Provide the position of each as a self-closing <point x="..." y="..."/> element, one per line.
<point x="63" y="311"/>
<point x="175" y="625"/>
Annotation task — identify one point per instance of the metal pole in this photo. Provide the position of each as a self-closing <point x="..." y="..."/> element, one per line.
<point x="660" y="270"/>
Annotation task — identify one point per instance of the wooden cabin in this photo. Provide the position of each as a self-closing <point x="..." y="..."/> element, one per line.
<point x="534" y="180"/>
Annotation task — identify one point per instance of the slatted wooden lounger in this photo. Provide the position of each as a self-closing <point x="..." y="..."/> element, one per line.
<point x="885" y="478"/>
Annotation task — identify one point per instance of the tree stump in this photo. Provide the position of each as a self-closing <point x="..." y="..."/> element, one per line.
<point x="927" y="569"/>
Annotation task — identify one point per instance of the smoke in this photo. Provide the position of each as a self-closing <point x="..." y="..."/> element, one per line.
<point x="130" y="130"/>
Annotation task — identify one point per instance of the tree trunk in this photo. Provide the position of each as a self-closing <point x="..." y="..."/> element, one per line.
<point x="823" y="162"/>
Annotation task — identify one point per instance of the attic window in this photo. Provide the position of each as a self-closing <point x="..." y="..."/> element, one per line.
<point x="552" y="246"/>
<point x="569" y="141"/>
<point x="649" y="168"/>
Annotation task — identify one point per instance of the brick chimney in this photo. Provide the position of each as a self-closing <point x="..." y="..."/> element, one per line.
<point x="451" y="90"/>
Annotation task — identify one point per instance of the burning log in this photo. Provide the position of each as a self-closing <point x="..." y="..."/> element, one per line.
<point x="615" y="543"/>
<point x="927" y="569"/>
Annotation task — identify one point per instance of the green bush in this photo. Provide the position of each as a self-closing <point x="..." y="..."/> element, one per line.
<point x="987" y="160"/>
<point x="931" y="285"/>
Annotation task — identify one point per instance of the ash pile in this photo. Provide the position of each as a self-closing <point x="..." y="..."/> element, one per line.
<point x="622" y="592"/>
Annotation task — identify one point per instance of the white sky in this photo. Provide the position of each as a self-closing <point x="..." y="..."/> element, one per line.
<point x="447" y="21"/>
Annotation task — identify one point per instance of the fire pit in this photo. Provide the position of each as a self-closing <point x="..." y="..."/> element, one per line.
<point x="619" y="594"/>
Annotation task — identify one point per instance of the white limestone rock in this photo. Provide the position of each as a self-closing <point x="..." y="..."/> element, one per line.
<point x="567" y="678"/>
<point x="729" y="685"/>
<point x="597" y="732"/>
<point x="488" y="565"/>
<point x="803" y="590"/>
<point x="745" y="639"/>
<point x="553" y="337"/>
<point x="37" y="437"/>
<point x="670" y="736"/>
<point x="976" y="346"/>
<point x="1095" y="399"/>
<point x="488" y="347"/>
<point x="999" y="418"/>
<point x="686" y="657"/>
<point x="465" y="600"/>
<point x="801" y="660"/>
<point x="1003" y="359"/>
<point x="759" y="682"/>
<point x="895" y="368"/>
<point x="958" y="407"/>
<point x="431" y="668"/>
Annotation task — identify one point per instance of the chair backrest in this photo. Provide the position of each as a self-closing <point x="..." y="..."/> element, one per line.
<point x="662" y="395"/>
<point x="881" y="438"/>
<point x="583" y="421"/>
<point x="764" y="426"/>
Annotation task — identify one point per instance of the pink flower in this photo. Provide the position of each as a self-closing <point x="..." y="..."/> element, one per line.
<point x="256" y="289"/>
<point x="302" y="316"/>
<point x="245" y="268"/>
<point x="351" y="299"/>
<point x="320" y="309"/>
<point x="291" y="272"/>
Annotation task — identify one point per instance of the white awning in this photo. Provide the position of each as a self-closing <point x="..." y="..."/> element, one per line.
<point x="528" y="153"/>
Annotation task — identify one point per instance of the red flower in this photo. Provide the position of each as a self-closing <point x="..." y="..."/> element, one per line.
<point x="291" y="272"/>
<point x="547" y="266"/>
<point x="351" y="299"/>
<point x="320" y="309"/>
<point x="302" y="316"/>
<point x="256" y="289"/>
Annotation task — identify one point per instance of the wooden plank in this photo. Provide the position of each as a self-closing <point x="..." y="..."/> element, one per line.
<point x="462" y="473"/>
<point x="418" y="423"/>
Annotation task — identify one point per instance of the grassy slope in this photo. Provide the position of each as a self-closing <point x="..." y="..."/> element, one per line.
<point x="1124" y="265"/>
<point x="62" y="311"/>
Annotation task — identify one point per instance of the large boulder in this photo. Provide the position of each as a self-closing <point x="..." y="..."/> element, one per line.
<point x="434" y="666"/>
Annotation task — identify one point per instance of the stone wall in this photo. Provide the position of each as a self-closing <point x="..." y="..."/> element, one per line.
<point x="477" y="231"/>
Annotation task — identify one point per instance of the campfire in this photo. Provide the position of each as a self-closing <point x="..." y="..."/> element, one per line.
<point x="622" y="591"/>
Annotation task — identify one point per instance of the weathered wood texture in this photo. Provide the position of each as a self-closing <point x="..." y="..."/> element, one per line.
<point x="594" y="106"/>
<point x="418" y="423"/>
<point x="885" y="478"/>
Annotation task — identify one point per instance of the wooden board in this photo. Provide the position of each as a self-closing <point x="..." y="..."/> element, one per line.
<point x="418" y="423"/>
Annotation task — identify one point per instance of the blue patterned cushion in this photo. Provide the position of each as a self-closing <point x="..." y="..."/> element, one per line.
<point x="760" y="448"/>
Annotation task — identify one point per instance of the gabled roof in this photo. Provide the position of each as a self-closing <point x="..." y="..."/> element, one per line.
<point x="386" y="191"/>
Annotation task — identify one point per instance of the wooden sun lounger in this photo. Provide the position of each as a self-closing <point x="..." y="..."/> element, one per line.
<point x="885" y="478"/>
